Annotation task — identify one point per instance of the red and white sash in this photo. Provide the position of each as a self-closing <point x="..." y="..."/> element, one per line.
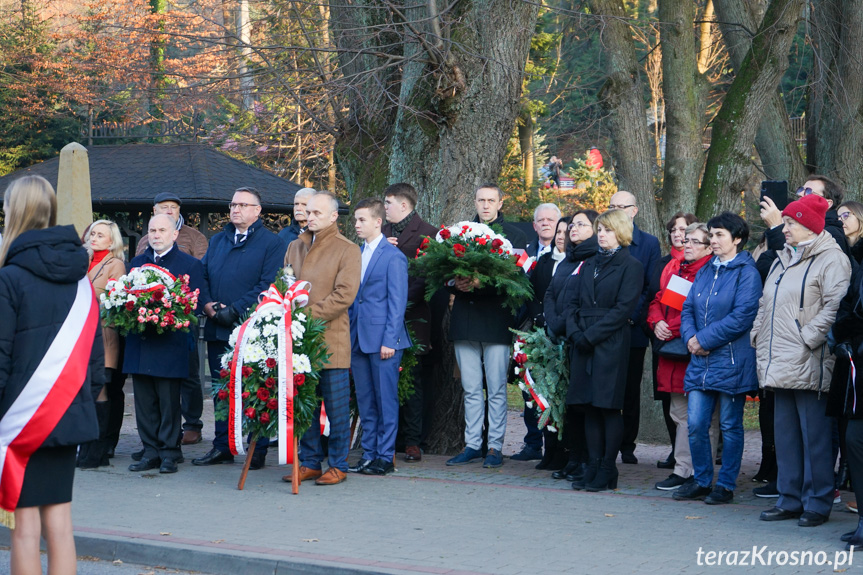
<point x="48" y="394"/>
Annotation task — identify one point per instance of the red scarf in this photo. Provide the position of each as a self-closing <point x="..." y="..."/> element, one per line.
<point x="671" y="267"/>
<point x="98" y="256"/>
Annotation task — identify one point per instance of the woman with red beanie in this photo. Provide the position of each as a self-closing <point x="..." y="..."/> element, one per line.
<point x="802" y="293"/>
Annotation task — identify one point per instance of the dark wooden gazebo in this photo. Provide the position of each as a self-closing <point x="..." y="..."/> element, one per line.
<point x="125" y="179"/>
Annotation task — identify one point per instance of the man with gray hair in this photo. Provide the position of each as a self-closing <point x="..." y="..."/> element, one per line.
<point x="299" y="223"/>
<point x="545" y="218"/>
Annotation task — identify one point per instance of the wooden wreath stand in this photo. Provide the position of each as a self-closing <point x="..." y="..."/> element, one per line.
<point x="295" y="468"/>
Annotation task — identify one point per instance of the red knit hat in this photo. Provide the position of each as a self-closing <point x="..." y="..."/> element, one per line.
<point x="808" y="211"/>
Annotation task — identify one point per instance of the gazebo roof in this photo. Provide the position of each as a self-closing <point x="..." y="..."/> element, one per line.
<point x="128" y="177"/>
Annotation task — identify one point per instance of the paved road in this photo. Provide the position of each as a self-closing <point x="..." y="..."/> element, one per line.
<point x="428" y="518"/>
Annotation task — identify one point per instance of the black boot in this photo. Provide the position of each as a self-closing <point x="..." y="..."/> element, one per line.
<point x="96" y="454"/>
<point x="605" y="478"/>
<point x="570" y="467"/>
<point x="590" y="471"/>
<point x="857" y="538"/>
<point x="548" y="457"/>
<point x="767" y="471"/>
<point x="843" y="478"/>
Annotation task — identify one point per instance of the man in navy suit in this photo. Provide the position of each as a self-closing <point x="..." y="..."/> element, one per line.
<point x="159" y="363"/>
<point x="644" y="248"/>
<point x="378" y="338"/>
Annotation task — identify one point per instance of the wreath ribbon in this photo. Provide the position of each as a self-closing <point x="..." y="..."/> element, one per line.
<point x="541" y="402"/>
<point x="296" y="296"/>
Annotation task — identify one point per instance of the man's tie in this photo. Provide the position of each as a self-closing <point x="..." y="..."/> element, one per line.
<point x="157" y="259"/>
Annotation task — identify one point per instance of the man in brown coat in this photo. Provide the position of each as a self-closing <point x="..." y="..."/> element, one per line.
<point x="333" y="265"/>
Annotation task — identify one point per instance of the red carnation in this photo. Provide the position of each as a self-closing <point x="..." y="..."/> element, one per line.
<point x="273" y="404"/>
<point x="245" y="395"/>
<point x="425" y="243"/>
<point x="251" y="413"/>
<point x="247" y="371"/>
<point x="270" y="382"/>
<point x="496" y="243"/>
<point x="223" y="374"/>
<point x="419" y="253"/>
<point x="265" y="418"/>
<point x="271" y="363"/>
<point x="263" y="394"/>
<point x="299" y="379"/>
<point x="188" y="309"/>
<point x="130" y="305"/>
<point x="458" y="250"/>
<point x="481" y="241"/>
<point x="521" y="358"/>
<point x="445" y="234"/>
<point x="223" y="394"/>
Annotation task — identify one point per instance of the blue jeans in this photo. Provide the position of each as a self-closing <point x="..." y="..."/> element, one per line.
<point x="700" y="412"/>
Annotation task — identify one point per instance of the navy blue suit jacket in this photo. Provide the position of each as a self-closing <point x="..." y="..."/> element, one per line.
<point x="377" y="315"/>
<point x="644" y="248"/>
<point x="166" y="355"/>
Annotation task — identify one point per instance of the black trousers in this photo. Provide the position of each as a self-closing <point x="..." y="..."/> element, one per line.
<point x="632" y="399"/>
<point x="411" y="413"/>
<point x="192" y="396"/>
<point x="157" y="413"/>
<point x="854" y="455"/>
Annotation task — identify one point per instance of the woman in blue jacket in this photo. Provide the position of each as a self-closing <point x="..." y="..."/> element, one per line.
<point x="717" y="318"/>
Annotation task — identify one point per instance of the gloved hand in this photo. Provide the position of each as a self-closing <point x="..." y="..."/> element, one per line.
<point x="583" y="345"/>
<point x="843" y="350"/>
<point x="552" y="336"/>
<point x="226" y="316"/>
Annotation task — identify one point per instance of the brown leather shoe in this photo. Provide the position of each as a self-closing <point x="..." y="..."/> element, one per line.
<point x="305" y="474"/>
<point x="332" y="477"/>
<point x="413" y="453"/>
<point x="191" y="437"/>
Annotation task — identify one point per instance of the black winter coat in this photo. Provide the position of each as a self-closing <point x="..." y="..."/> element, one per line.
<point x="600" y="312"/>
<point x="481" y="315"/>
<point x="848" y="329"/>
<point x="38" y="284"/>
<point x="562" y="287"/>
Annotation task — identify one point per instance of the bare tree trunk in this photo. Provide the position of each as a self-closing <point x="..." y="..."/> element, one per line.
<point x="684" y="92"/>
<point x="729" y="159"/>
<point x="244" y="33"/>
<point x="457" y="109"/>
<point x="777" y="148"/>
<point x="622" y="98"/>
<point x="705" y="37"/>
<point x="528" y="154"/>
<point x="838" y="125"/>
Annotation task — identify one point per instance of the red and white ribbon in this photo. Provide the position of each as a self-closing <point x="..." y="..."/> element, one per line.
<point x="541" y="402"/>
<point x="296" y="296"/>
<point x="166" y="277"/>
<point x="48" y="393"/>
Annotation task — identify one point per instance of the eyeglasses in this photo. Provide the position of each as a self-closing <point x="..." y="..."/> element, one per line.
<point x="240" y="206"/>
<point x="801" y="191"/>
<point x="844" y="215"/>
<point x="578" y="225"/>
<point x="695" y="242"/>
<point x="620" y="206"/>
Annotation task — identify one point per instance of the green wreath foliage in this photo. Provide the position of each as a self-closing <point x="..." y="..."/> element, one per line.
<point x="548" y="363"/>
<point x="260" y="388"/>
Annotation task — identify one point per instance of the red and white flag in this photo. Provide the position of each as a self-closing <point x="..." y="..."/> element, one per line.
<point x="47" y="394"/>
<point x="676" y="292"/>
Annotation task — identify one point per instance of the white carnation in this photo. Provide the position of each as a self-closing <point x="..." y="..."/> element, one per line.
<point x="302" y="363"/>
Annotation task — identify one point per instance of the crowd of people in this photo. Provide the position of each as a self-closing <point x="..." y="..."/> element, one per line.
<point x="782" y="323"/>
